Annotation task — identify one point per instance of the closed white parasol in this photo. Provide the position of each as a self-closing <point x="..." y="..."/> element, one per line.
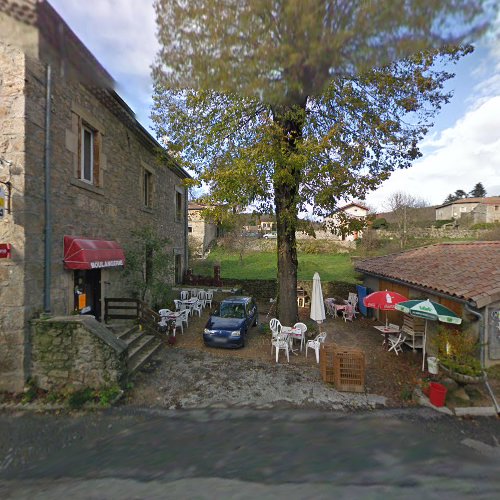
<point x="317" y="305"/>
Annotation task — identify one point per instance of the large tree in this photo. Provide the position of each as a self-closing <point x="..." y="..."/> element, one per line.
<point x="273" y="104"/>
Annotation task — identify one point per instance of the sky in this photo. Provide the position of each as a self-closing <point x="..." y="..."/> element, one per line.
<point x="462" y="149"/>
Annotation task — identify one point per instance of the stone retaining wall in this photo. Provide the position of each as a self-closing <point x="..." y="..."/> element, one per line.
<point x="267" y="289"/>
<point x="75" y="351"/>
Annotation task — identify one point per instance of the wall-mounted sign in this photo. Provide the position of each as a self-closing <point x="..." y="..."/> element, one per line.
<point x="5" y="250"/>
<point x="3" y="203"/>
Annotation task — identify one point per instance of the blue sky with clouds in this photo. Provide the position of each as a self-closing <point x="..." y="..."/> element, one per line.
<point x="462" y="149"/>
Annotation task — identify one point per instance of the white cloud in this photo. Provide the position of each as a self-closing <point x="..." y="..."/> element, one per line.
<point x="456" y="158"/>
<point x="121" y="35"/>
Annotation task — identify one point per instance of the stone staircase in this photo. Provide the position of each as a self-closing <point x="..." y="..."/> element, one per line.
<point x="141" y="346"/>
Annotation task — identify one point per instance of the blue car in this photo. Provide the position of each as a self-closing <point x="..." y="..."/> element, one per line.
<point x="229" y="325"/>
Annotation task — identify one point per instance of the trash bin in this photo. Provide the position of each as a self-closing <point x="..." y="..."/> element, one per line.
<point x="437" y="394"/>
<point x="432" y="365"/>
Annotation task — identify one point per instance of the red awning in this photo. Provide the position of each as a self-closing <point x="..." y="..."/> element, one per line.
<point x="80" y="253"/>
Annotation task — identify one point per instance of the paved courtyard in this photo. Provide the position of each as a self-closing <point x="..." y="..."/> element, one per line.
<point x="191" y="375"/>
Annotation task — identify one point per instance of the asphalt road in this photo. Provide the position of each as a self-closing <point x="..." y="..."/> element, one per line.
<point x="125" y="454"/>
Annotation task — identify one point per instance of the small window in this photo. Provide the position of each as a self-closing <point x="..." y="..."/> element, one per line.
<point x="190" y="229"/>
<point x="87" y="155"/>
<point x="497" y="207"/>
<point x="178" y="268"/>
<point x="147" y="188"/>
<point x="178" y="206"/>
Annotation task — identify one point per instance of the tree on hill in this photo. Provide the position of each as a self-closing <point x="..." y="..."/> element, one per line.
<point x="404" y="208"/>
<point x="273" y="104"/>
<point x="478" y="191"/>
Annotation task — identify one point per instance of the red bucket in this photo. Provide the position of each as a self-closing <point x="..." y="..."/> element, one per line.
<point x="437" y="393"/>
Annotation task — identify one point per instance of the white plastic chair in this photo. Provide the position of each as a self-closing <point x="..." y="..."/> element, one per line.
<point x="208" y="298"/>
<point x="185" y="317"/>
<point x="303" y="329"/>
<point x="352" y="300"/>
<point x="281" y="342"/>
<point x="348" y="312"/>
<point x="275" y="326"/>
<point x="194" y="293"/>
<point x="184" y="295"/>
<point x="316" y="344"/>
<point x="396" y="342"/>
<point x="179" y="322"/>
<point x="164" y="312"/>
<point x="196" y="306"/>
<point x="202" y="297"/>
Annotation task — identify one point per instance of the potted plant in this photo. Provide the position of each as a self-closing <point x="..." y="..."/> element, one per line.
<point x="457" y="354"/>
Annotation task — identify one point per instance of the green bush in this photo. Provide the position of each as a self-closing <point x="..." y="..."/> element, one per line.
<point x="486" y="225"/>
<point x="457" y="351"/>
<point x="379" y="223"/>
<point x="440" y="223"/>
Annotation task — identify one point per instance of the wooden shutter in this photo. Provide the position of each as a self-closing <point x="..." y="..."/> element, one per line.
<point x="79" y="154"/>
<point x="97" y="163"/>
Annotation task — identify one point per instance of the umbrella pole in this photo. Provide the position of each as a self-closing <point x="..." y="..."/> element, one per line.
<point x="423" y="346"/>
<point x="386" y="320"/>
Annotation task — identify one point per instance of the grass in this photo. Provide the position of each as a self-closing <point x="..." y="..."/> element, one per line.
<point x="262" y="265"/>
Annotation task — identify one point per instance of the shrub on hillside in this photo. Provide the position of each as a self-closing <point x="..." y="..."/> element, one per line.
<point x="441" y="223"/>
<point x="486" y="225"/>
<point x="380" y="223"/>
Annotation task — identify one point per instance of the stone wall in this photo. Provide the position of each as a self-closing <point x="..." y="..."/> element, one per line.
<point x="75" y="351"/>
<point x="111" y="209"/>
<point x="13" y="321"/>
<point x="267" y="289"/>
<point x="436" y="233"/>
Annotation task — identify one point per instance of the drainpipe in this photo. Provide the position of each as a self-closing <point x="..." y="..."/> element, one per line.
<point x="482" y="340"/>
<point x="48" y="213"/>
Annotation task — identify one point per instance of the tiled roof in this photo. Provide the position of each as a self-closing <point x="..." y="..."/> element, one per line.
<point x="467" y="271"/>
<point x="488" y="201"/>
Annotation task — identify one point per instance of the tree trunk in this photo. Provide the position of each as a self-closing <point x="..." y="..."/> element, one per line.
<point x="286" y="191"/>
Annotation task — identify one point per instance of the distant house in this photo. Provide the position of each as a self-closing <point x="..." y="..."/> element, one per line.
<point x="351" y="211"/>
<point x="202" y="232"/>
<point x="465" y="277"/>
<point x="480" y="209"/>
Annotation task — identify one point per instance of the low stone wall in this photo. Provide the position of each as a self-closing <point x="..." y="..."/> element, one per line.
<point x="76" y="351"/>
<point x="268" y="289"/>
<point x="455" y="233"/>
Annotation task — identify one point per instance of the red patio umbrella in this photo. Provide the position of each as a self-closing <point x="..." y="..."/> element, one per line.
<point x="384" y="300"/>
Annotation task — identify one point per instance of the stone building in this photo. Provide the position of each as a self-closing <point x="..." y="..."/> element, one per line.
<point x="478" y="209"/>
<point x="78" y="176"/>
<point x="202" y="232"/>
<point x="464" y="277"/>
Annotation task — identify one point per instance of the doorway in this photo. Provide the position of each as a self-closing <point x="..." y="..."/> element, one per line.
<point x="87" y="292"/>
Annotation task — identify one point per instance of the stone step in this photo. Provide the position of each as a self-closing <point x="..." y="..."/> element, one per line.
<point x="142" y="346"/>
<point x="131" y="336"/>
<point x="143" y="353"/>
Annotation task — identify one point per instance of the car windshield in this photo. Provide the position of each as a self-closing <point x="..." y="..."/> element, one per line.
<point x="229" y="310"/>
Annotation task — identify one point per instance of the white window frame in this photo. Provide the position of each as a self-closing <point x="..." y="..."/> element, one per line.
<point x="86" y="128"/>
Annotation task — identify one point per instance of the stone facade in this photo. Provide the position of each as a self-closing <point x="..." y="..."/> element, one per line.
<point x="202" y="233"/>
<point x="76" y="351"/>
<point x="108" y="208"/>
<point x="481" y="209"/>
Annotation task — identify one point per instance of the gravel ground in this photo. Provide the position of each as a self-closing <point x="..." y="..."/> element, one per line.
<point x="191" y="375"/>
